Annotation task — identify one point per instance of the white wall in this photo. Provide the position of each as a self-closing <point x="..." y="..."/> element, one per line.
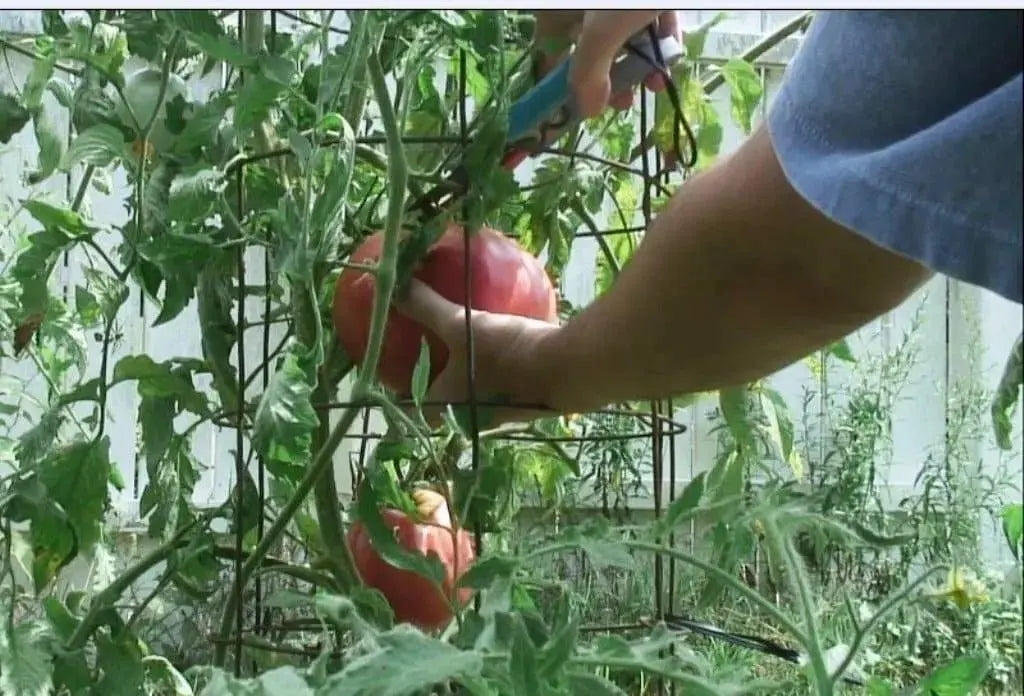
<point x="919" y="420"/>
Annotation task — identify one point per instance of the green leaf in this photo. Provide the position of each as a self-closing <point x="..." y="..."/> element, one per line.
<point x="193" y="194"/>
<point x="252" y="105"/>
<point x="958" y="678"/>
<point x="734" y="406"/>
<point x="878" y="687"/>
<point x="745" y="90"/>
<point x="425" y="661"/>
<point x="522" y="664"/>
<point x="383" y="541"/>
<point x="99" y="146"/>
<point x="585" y="684"/>
<point x="841" y="351"/>
<point x="109" y="292"/>
<point x="285" y="418"/>
<point x="486" y="571"/>
<point x="1007" y="394"/>
<point x="421" y="374"/>
<point x="202" y="29"/>
<point x="328" y="216"/>
<point x="560" y="647"/>
<point x="13" y="117"/>
<point x="1013" y="526"/>
<point x="277" y="68"/>
<point x="76" y="479"/>
<point x="686" y="502"/>
<point x="120" y="660"/>
<point x="59" y="218"/>
<point x="51" y="147"/>
<point x="694" y="40"/>
<point x="160" y="380"/>
<point x="26" y="667"/>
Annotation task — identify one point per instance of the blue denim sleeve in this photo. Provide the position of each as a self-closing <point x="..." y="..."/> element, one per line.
<point x="905" y="126"/>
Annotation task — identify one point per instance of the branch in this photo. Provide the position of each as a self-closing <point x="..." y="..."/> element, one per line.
<point x="397" y="173"/>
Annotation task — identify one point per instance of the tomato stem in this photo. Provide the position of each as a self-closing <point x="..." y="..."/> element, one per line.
<point x="397" y="175"/>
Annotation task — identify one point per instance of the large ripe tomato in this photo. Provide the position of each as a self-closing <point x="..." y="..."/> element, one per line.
<point x="506" y="279"/>
<point x="413" y="598"/>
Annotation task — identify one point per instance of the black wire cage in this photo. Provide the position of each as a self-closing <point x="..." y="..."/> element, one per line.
<point x="258" y="627"/>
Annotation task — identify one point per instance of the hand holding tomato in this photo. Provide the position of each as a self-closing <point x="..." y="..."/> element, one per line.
<point x="509" y="285"/>
<point x="506" y="349"/>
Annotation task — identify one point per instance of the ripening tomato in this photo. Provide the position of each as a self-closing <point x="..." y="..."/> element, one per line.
<point x="506" y="278"/>
<point x="413" y="598"/>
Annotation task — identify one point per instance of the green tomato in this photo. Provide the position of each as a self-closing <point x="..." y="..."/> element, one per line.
<point x="141" y="91"/>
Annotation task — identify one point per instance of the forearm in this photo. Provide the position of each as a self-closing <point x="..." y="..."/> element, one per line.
<point x="738" y="277"/>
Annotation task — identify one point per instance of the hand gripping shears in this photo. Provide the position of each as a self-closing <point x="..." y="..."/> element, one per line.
<point x="548" y="110"/>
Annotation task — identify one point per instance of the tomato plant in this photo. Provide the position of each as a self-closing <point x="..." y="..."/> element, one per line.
<point x="505" y="279"/>
<point x="195" y="315"/>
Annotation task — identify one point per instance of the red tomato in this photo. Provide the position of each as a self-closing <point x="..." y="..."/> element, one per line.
<point x="506" y="279"/>
<point x="413" y="598"/>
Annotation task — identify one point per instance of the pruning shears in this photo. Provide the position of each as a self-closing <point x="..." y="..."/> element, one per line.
<point x="548" y="110"/>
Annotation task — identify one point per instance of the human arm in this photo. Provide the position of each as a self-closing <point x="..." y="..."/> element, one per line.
<point x="737" y="277"/>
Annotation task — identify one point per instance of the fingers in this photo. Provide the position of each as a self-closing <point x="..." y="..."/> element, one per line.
<point x="427" y="307"/>
<point x="602" y="36"/>
<point x="553" y="34"/>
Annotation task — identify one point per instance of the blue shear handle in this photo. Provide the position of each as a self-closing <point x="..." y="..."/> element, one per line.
<point x="552" y="93"/>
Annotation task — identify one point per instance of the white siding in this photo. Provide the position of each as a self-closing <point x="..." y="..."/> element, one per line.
<point x="919" y="421"/>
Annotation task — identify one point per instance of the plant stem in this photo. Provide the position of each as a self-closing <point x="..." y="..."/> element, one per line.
<point x="888" y="606"/>
<point x="112" y="592"/>
<point x="713" y="570"/>
<point x="782" y="549"/>
<point x="397" y="173"/>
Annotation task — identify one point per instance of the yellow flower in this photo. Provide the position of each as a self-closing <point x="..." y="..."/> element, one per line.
<point x="962" y="588"/>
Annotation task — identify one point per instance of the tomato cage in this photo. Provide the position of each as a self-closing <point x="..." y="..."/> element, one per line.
<point x="626" y="429"/>
<point x="342" y="130"/>
<point x="360" y="430"/>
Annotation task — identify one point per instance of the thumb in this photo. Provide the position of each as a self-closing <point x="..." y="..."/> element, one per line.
<point x="429" y="308"/>
<point x="602" y="37"/>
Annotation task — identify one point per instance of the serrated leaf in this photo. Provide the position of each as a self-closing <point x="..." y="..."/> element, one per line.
<point x="560" y="647"/>
<point x="522" y="664"/>
<point x="285" y="418"/>
<point x="686" y="502"/>
<point x="26" y="667"/>
<point x="193" y="194"/>
<point x="51" y="146"/>
<point x="368" y="504"/>
<point x="328" y="216"/>
<point x="252" y="105"/>
<point x="278" y="68"/>
<point x="13" y="117"/>
<point x="1007" y="394"/>
<point x="99" y="146"/>
<point x="120" y="662"/>
<point x="744" y="90"/>
<point x="584" y="684"/>
<point x="958" y="678"/>
<point x="485" y="571"/>
<point x="156" y="379"/>
<point x="425" y="661"/>
<point x="76" y="478"/>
